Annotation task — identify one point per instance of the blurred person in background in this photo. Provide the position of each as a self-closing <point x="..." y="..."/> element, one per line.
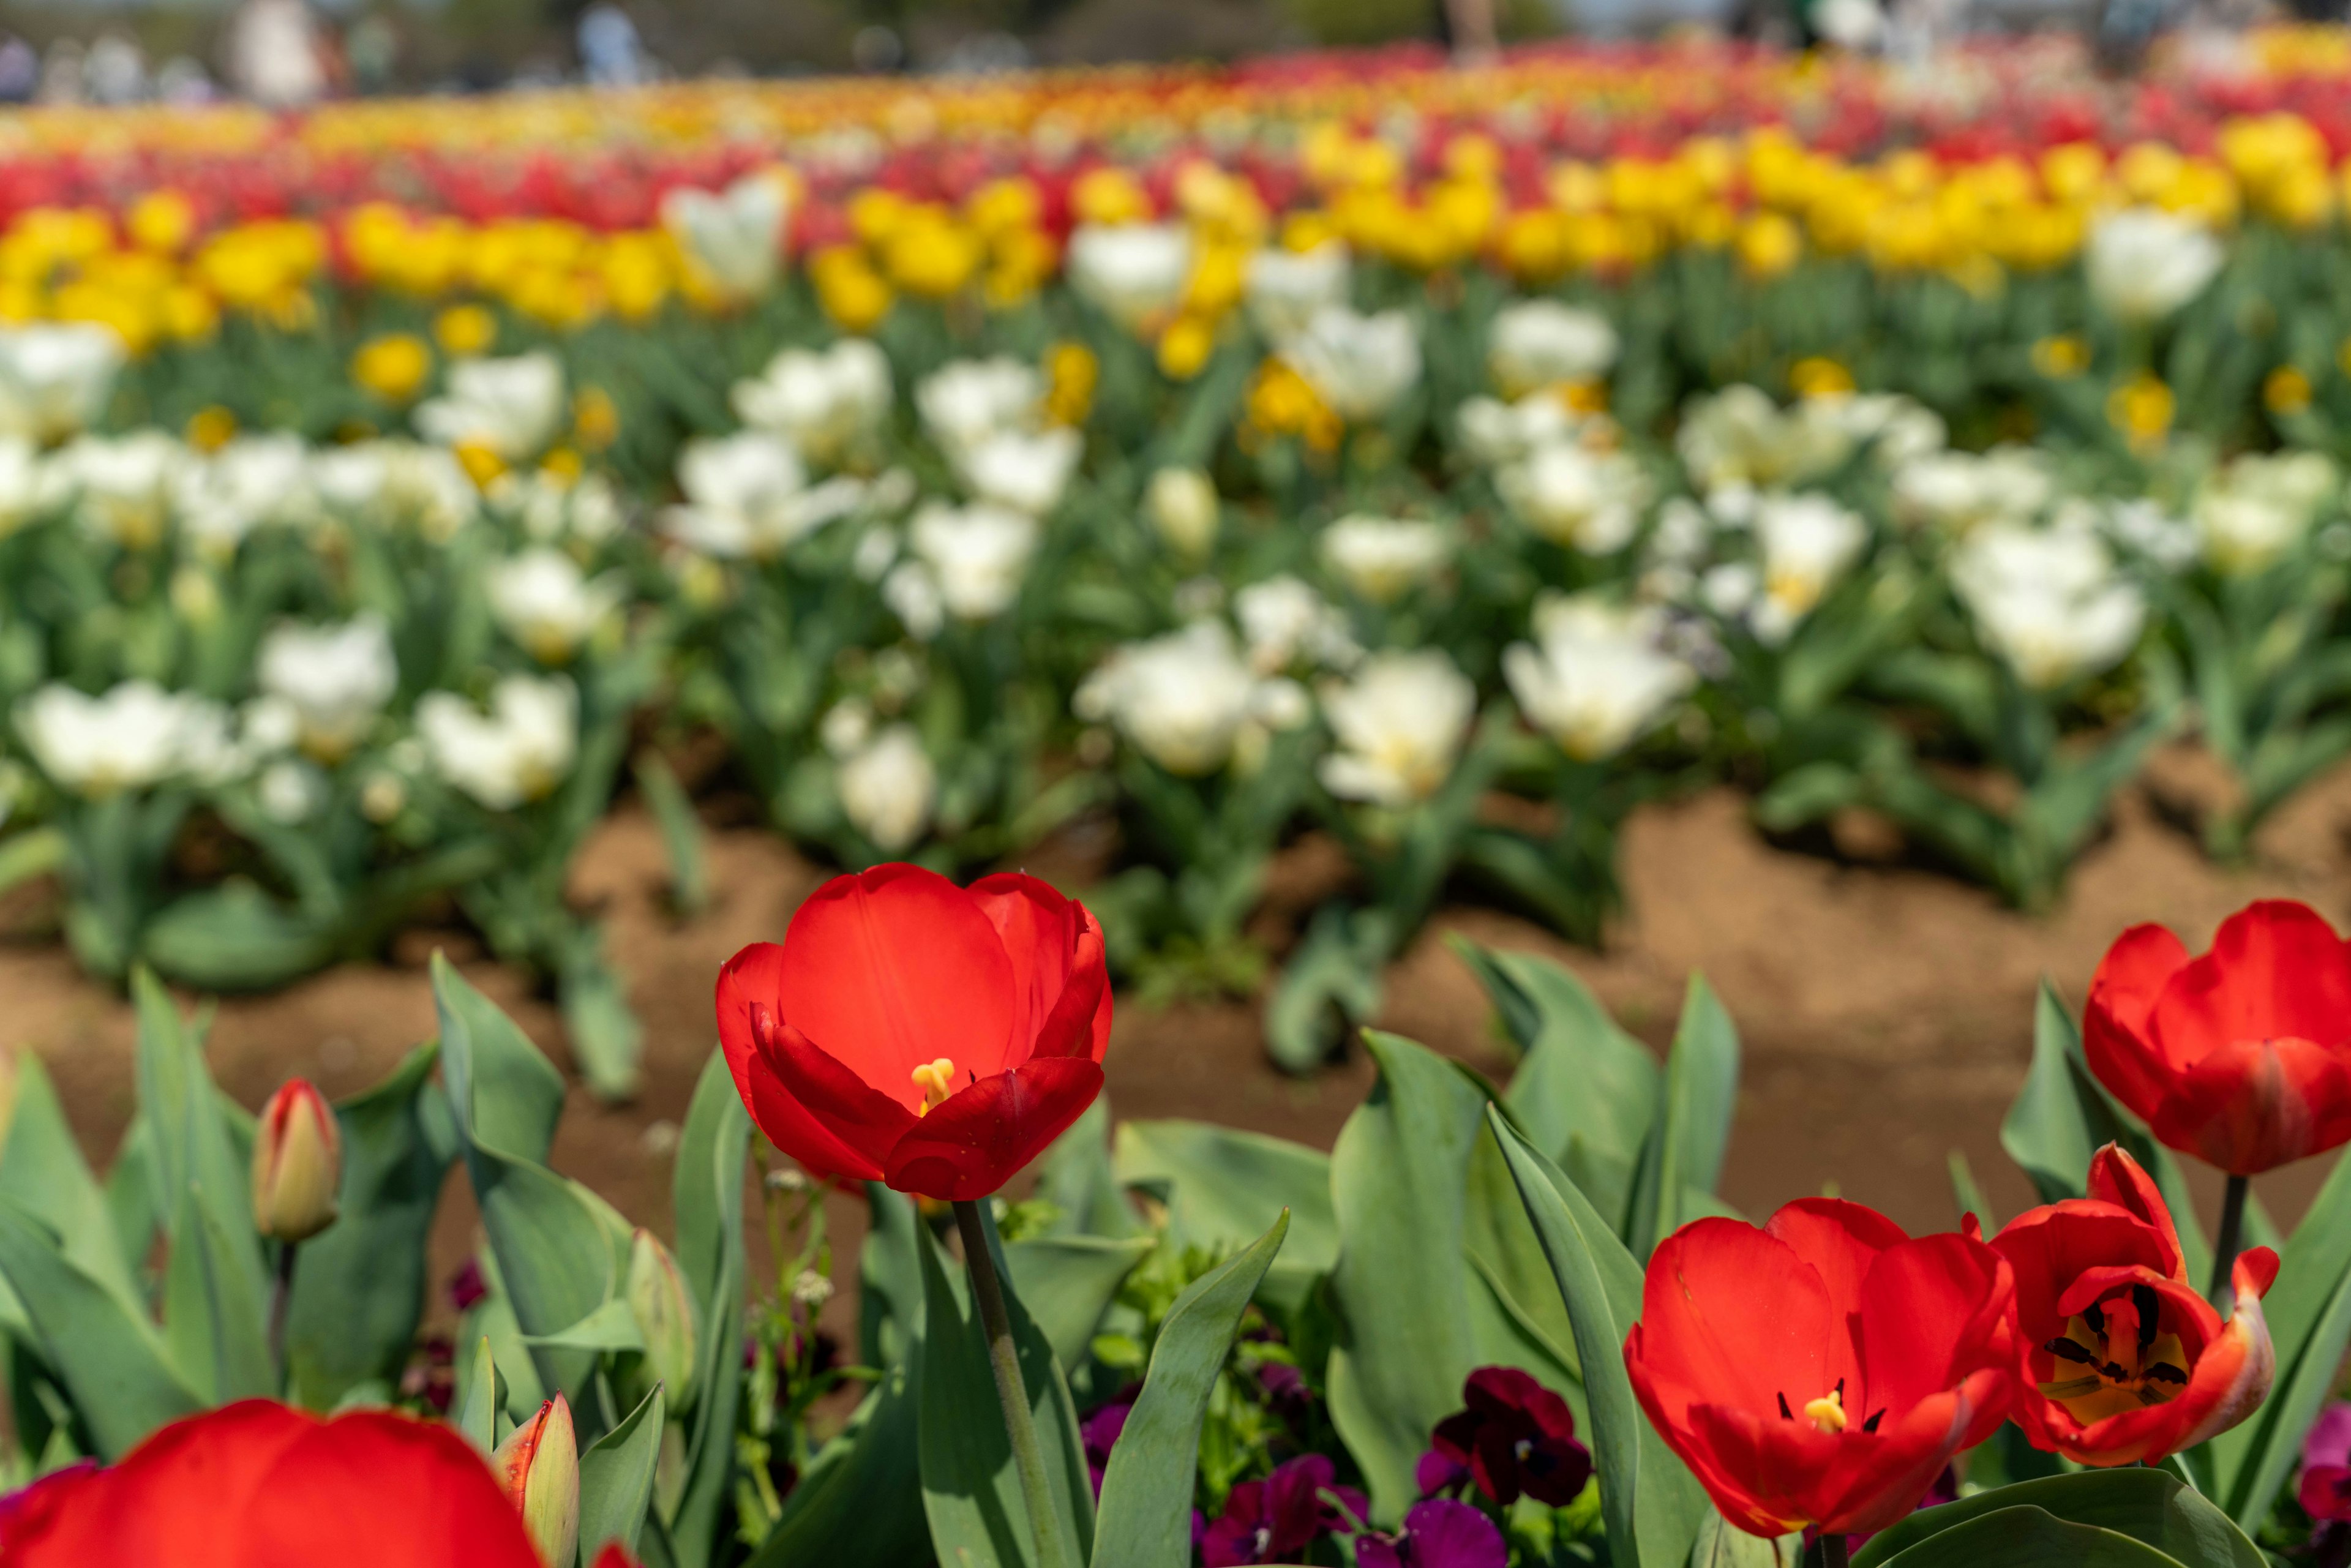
<point x="20" y="70"/>
<point x="116" y="68"/>
<point x="273" y="54"/>
<point x="611" y="54"/>
<point x="371" y="52"/>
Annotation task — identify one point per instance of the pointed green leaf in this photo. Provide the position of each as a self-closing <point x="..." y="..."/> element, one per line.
<point x="1068" y="1283"/>
<point x="1685" y="1149"/>
<point x="42" y="1171"/>
<point x="213" y="1321"/>
<point x="189" y="1138"/>
<point x="2149" y="1506"/>
<point x="1223" y="1187"/>
<point x="859" y="1505"/>
<point x="707" y="1182"/>
<point x="1580" y="1077"/>
<point x="2031" y="1538"/>
<point x="1076" y="1175"/>
<point x="1147" y="1489"/>
<point x="1653" y="1506"/>
<point x="616" y="1478"/>
<point x="482" y="1400"/>
<point x="110" y="1361"/>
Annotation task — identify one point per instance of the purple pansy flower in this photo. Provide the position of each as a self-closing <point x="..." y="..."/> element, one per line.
<point x="1437" y="1533"/>
<point x="1277" y="1518"/>
<point x="1516" y="1436"/>
<point x="2325" y="1490"/>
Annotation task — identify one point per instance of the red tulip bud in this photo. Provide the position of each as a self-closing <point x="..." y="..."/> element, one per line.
<point x="297" y="1164"/>
<point x="538" y="1465"/>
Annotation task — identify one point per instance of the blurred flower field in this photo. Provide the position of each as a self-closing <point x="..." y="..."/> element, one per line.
<point x="1444" y="462"/>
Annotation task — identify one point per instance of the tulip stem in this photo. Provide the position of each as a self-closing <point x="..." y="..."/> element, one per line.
<point x="2225" y="1250"/>
<point x="281" y="1293"/>
<point x="1004" y="1358"/>
<point x="1832" y="1552"/>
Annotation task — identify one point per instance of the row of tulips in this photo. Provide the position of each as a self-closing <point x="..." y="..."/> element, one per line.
<point x="1454" y="573"/>
<point x="1493" y="1328"/>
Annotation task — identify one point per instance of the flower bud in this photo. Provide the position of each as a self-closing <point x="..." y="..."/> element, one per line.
<point x="538" y="1465"/>
<point x="297" y="1164"/>
<point x="664" y="1314"/>
<point x="1182" y="505"/>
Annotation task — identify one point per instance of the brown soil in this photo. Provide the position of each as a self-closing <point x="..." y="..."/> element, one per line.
<point x="1886" y="1011"/>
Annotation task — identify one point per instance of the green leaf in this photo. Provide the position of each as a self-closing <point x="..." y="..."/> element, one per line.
<point x="707" y="1184"/>
<point x="616" y="1478"/>
<point x="484" y="1401"/>
<point x="1967" y="1196"/>
<point x="1068" y="1283"/>
<point x="1147" y="1488"/>
<point x="2031" y="1538"/>
<point x="1581" y="1079"/>
<point x="971" y="1490"/>
<point x="890" y="1278"/>
<point x="359" y="1285"/>
<point x="108" y="1359"/>
<point x="1721" y="1545"/>
<point x="213" y="1321"/>
<point x="1224" y="1187"/>
<point x="43" y="1173"/>
<point x="1332" y="980"/>
<point x="707" y="1181"/>
<point x="190" y="1140"/>
<point x="861" y="1503"/>
<point x="1653" y="1506"/>
<point x="1683" y="1154"/>
<point x="606" y="1038"/>
<point x="611" y="1327"/>
<point x="2147" y="1506"/>
<point x="2309" y="1315"/>
<point x="506" y="1094"/>
<point x="234" y="937"/>
<point x="681" y="832"/>
<point x="1076" y="1175"/>
<point x="1399" y="1177"/>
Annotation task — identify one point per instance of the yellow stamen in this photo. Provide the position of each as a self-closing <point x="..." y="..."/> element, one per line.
<point x="1827" y="1412"/>
<point x="935" y="1080"/>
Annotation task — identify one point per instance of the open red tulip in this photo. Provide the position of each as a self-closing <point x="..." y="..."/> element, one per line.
<point x="918" y="1033"/>
<point x="1821" y="1371"/>
<point x="2124" y="1360"/>
<point x="259" y="1485"/>
<point x="2241" y="1057"/>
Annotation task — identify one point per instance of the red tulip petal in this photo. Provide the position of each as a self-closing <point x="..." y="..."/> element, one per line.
<point x="894" y="968"/>
<point x="753" y="975"/>
<point x="2118" y="1028"/>
<point x="981" y="1136"/>
<point x="2250" y="1106"/>
<point x="2276" y="970"/>
<point x="860" y="1118"/>
<point x="1704" y="1340"/>
<point x="2048" y="1247"/>
<point x="792" y="1126"/>
<point x="1926" y="1318"/>
<point x="1764" y="1473"/>
<point x="2255" y="1271"/>
<point x="2118" y="1179"/>
<point x="373" y="1490"/>
<point x="1058" y="972"/>
<point x="1875" y="1479"/>
<point x="180" y="1496"/>
<point x="1841" y="1241"/>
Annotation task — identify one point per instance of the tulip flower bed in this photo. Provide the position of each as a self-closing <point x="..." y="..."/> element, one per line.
<point x="1494" y="1327"/>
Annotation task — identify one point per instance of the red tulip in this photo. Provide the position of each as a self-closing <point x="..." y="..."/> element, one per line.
<point x="259" y="1485"/>
<point x="2241" y="1057"/>
<point x="1823" y="1370"/>
<point x="2122" y="1360"/>
<point x="915" y="1032"/>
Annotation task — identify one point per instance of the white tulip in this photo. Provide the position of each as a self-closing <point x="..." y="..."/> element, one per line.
<point x="1184" y="510"/>
<point x="1025" y="470"/>
<point x="1133" y="273"/>
<point x="123" y="487"/>
<point x="1808" y="542"/>
<point x="1540" y="343"/>
<point x="2048" y="601"/>
<point x="2257" y="507"/>
<point x="912" y="593"/>
<point x="1383" y="559"/>
<point x="512" y="408"/>
<point x="889" y="789"/>
<point x="55" y="378"/>
<point x="825" y="402"/>
<point x="1596" y="676"/>
<point x="964" y="402"/>
<point x="1360" y="366"/>
<point x="1284" y="621"/>
<point x="548" y="605"/>
<point x="978" y="555"/>
<point x="25" y="488"/>
<point x="253" y="481"/>
<point x="336" y="679"/>
<point x="517" y="752"/>
<point x="1956" y="490"/>
<point x="746" y="495"/>
<point x="2143" y="264"/>
<point x="1400" y="723"/>
<point x="734" y="238"/>
<point x="1494" y="432"/>
<point x="135" y="737"/>
<point x="552" y="507"/>
<point x="1183" y="700"/>
<point x="1586" y="500"/>
<point x="1739" y="437"/>
<point x="289" y="792"/>
<point x="1285" y="288"/>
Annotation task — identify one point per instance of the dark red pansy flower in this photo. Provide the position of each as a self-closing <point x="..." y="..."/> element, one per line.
<point x="1277" y="1518"/>
<point x="1515" y="1435"/>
